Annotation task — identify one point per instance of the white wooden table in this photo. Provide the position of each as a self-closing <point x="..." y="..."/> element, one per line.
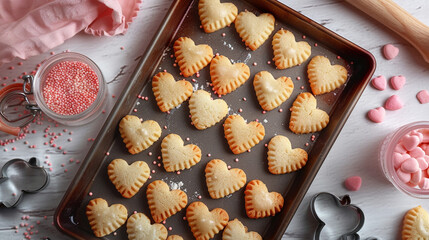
<point x="354" y="153"/>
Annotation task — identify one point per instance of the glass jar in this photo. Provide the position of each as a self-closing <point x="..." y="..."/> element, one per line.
<point x="386" y="158"/>
<point x="89" y="112"/>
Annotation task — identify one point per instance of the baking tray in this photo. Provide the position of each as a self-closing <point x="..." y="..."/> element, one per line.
<point x="182" y="20"/>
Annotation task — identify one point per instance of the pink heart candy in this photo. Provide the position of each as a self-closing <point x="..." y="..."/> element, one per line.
<point x="425" y="134"/>
<point x="418" y="134"/>
<point x="390" y="51"/>
<point x="379" y="82"/>
<point x="416" y="178"/>
<point x="399" y="158"/>
<point x="410" y="142"/>
<point x="399" y="148"/>
<point x="417" y="152"/>
<point x="353" y="183"/>
<point x="423" y="96"/>
<point x="422" y="163"/>
<point x="376" y="115"/>
<point x="424" y="183"/>
<point x="410" y="166"/>
<point x="397" y="82"/>
<point x="404" y="177"/>
<point x="393" y="103"/>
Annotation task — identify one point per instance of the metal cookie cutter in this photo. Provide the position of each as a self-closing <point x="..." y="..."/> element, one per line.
<point x="17" y="106"/>
<point x="336" y="216"/>
<point x="18" y="176"/>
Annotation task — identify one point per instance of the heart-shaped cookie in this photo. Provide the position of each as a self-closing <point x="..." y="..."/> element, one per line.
<point x="282" y="158"/>
<point x="138" y="135"/>
<point x="104" y="219"/>
<point x="215" y="15"/>
<point x="176" y="156"/>
<point x="260" y="203"/>
<point x="221" y="181"/>
<point x="204" y="223"/>
<point x="139" y="227"/>
<point x="305" y="117"/>
<point x="254" y="30"/>
<point x="242" y="136"/>
<point x="271" y="92"/>
<point x="164" y="203"/>
<point x="288" y="52"/>
<point x="236" y="230"/>
<point x="325" y="77"/>
<point x="168" y="92"/>
<point x="174" y="237"/>
<point x="227" y="77"/>
<point x="206" y="112"/>
<point x="190" y="57"/>
<point x="128" y="179"/>
<point x="416" y="224"/>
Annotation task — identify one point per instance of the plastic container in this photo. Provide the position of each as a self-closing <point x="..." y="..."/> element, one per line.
<point x="387" y="164"/>
<point x="82" y="117"/>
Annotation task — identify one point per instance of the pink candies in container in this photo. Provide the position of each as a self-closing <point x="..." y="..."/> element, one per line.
<point x="404" y="159"/>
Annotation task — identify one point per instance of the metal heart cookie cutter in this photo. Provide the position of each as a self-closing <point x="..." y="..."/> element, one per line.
<point x="337" y="217"/>
<point x="18" y="176"/>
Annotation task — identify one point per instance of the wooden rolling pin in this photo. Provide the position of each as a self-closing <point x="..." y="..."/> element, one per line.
<point x="398" y="20"/>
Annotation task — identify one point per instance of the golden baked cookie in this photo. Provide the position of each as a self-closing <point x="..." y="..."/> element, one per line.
<point x="215" y="15"/>
<point x="139" y="227"/>
<point x="305" y="117"/>
<point x="225" y="76"/>
<point x="174" y="237"/>
<point x="104" y="219"/>
<point x="190" y="57"/>
<point x="242" y="136"/>
<point x="254" y="30"/>
<point x="198" y="216"/>
<point x="168" y="92"/>
<point x="222" y="181"/>
<point x="271" y="92"/>
<point x="138" y="135"/>
<point x="288" y="52"/>
<point x="128" y="179"/>
<point x="260" y="203"/>
<point x="176" y="156"/>
<point x="164" y="203"/>
<point x="282" y="158"/>
<point x="236" y="230"/>
<point x="416" y="224"/>
<point x="206" y="112"/>
<point x="325" y="77"/>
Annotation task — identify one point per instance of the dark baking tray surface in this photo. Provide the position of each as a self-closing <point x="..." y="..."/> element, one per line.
<point x="183" y="20"/>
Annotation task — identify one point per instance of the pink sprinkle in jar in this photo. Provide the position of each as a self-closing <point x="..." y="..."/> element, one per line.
<point x="391" y="146"/>
<point x="70" y="89"/>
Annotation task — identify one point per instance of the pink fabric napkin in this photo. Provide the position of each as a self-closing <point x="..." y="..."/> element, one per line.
<point x="28" y="28"/>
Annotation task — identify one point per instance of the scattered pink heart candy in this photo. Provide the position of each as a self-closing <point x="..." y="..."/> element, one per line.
<point x="393" y="103"/>
<point x="397" y="82"/>
<point x="423" y="96"/>
<point x="410" y="166"/>
<point x="399" y="158"/>
<point x="416" y="178"/>
<point x="379" y="82"/>
<point x="353" y="183"/>
<point x="417" y="152"/>
<point x="404" y="177"/>
<point x="422" y="163"/>
<point x="377" y="115"/>
<point x="390" y="51"/>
